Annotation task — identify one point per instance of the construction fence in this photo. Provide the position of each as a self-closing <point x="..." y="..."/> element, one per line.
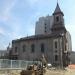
<point x="16" y="64"/>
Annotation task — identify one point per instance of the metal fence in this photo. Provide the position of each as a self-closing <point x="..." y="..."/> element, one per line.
<point x="16" y="64"/>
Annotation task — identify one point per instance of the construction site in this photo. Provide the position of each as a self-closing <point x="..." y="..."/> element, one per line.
<point x="20" y="67"/>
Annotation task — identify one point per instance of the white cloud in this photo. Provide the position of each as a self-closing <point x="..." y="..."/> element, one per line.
<point x="5" y="13"/>
<point x="7" y="17"/>
<point x="2" y="32"/>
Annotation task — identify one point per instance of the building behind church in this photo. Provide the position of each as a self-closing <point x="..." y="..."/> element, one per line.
<point x="51" y="39"/>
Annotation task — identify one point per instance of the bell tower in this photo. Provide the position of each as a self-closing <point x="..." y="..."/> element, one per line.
<point x="58" y="23"/>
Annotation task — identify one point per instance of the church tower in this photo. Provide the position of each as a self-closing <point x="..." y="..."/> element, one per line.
<point x="58" y="24"/>
<point x="58" y="28"/>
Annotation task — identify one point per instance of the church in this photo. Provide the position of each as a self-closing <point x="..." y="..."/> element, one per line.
<point x="51" y="39"/>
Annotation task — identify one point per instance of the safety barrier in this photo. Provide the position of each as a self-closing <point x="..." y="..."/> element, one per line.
<point x="16" y="64"/>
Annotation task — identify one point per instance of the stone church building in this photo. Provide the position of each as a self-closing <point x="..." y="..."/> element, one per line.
<point x="51" y="39"/>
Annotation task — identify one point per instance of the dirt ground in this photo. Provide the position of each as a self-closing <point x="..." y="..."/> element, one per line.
<point x="61" y="72"/>
<point x="68" y="71"/>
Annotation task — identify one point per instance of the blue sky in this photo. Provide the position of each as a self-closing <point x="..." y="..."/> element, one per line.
<point x="18" y="17"/>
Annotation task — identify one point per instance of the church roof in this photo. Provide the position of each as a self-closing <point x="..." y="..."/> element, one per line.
<point x="36" y="37"/>
<point x="58" y="10"/>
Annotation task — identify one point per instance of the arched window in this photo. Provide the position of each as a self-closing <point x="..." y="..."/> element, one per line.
<point x="42" y="48"/>
<point x="55" y="44"/>
<point x="16" y="49"/>
<point x="57" y="18"/>
<point x="32" y="48"/>
<point x="24" y="48"/>
<point x="45" y="28"/>
<point x="56" y="57"/>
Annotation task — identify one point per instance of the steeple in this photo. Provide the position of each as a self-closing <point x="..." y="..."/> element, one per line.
<point x="58" y="10"/>
<point x="58" y="22"/>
